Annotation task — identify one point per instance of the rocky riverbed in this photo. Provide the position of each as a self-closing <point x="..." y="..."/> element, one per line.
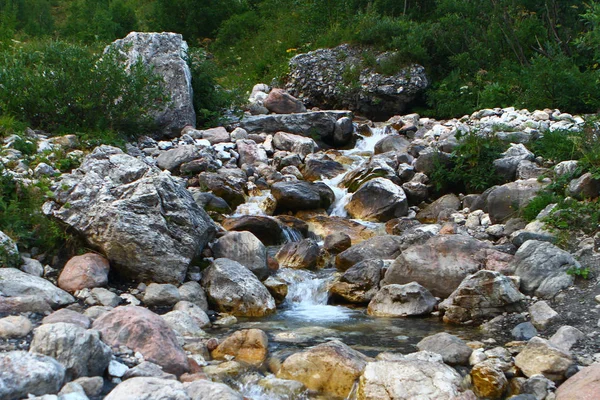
<point x="301" y="254"/>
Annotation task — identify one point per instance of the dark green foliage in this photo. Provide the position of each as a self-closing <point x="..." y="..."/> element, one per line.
<point x="62" y="87"/>
<point x="471" y="168"/>
<point x="559" y="145"/>
<point x="537" y="204"/>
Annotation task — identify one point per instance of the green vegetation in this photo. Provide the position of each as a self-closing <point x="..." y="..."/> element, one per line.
<point x="470" y="168"/>
<point x="580" y="272"/>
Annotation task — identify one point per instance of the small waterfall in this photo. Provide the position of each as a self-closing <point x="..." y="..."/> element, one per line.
<point x="307" y="296"/>
<point x="290" y="234"/>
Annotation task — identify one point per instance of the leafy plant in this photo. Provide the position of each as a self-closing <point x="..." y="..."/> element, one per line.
<point x="558" y="145"/>
<point x="537" y="204"/>
<point x="580" y="272"/>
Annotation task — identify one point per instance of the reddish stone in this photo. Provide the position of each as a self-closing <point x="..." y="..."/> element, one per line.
<point x="87" y="271"/>
<point x="281" y="102"/>
<point x="584" y="385"/>
<point x="144" y="331"/>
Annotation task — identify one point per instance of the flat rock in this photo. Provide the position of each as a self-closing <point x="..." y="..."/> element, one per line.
<point x="204" y="390"/>
<point x="15" y="283"/>
<point x="161" y="295"/>
<point x="301" y="195"/>
<point x="452" y="349"/>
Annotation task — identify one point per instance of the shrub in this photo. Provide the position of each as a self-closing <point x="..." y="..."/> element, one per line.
<point x="559" y="145"/>
<point x="471" y="167"/>
<point x="63" y="87"/>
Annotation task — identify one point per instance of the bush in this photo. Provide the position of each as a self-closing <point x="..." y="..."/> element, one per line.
<point x="471" y="169"/>
<point x="559" y="145"/>
<point x="63" y="87"/>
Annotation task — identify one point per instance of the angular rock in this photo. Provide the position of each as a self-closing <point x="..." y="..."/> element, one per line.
<point x="452" y="349"/>
<point x="277" y="287"/>
<point x="244" y="248"/>
<point x="142" y="330"/>
<point x="248" y="345"/>
<point x="81" y="351"/>
<point x="360" y="283"/>
<point x="566" y="336"/>
<point x="166" y="54"/>
<point x="442" y="262"/>
<point x="148" y="389"/>
<point x="147" y="225"/>
<point x="300" y="195"/>
<point x="542" y="315"/>
<point x="524" y="331"/>
<point x="444" y="205"/>
<point x="378" y="200"/>
<point x="344" y="129"/>
<point x="584" y="187"/>
<point x="14" y="326"/>
<point x="87" y="271"/>
<point x="503" y="202"/>
<point x="267" y="229"/>
<point x="489" y="381"/>
<point x="331" y="368"/>
<point x="395" y="142"/>
<point x="193" y="311"/>
<point x="541" y="357"/>
<point x="165" y="295"/>
<point x="401" y="301"/>
<point x="250" y="153"/>
<point x="281" y="102"/>
<point x="482" y="295"/>
<point x="408" y="379"/>
<point x="386" y="247"/>
<point x="294" y="143"/>
<point x="316" y="169"/>
<point x="511" y="158"/>
<point x="584" y="385"/>
<point x="20" y="304"/>
<point x="337" y="242"/>
<point x="23" y="373"/>
<point x="227" y="184"/>
<point x="233" y="289"/>
<point x="216" y="135"/>
<point x="299" y="255"/>
<point x="172" y="159"/>
<point x="32" y="266"/>
<point x="192" y="291"/>
<point x="15" y="283"/>
<point x="183" y="324"/>
<point x="543" y="268"/>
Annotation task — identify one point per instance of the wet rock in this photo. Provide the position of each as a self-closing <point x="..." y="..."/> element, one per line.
<point x="524" y="331"/>
<point x="192" y="291"/>
<point x="159" y="228"/>
<point x="378" y="200"/>
<point x="317" y="79"/>
<point x="233" y="289"/>
<point x="542" y="315"/>
<point x="148" y="389"/>
<point x="442" y="262"/>
<point x="452" y="349"/>
<point x="227" y="184"/>
<point x="161" y="295"/>
<point x="300" y="195"/>
<point x="142" y="330"/>
<point x="331" y="368"/>
<point x="482" y="295"/>
<point x="81" y="351"/>
<point x="14" y="326"/>
<point x="319" y="123"/>
<point x="23" y="373"/>
<point x="394" y="142"/>
<point x="324" y="225"/>
<point x="376" y="168"/>
<point x="183" y="324"/>
<point x="566" y="336"/>
<point x="69" y="317"/>
<point x="248" y="345"/>
<point x="337" y="242"/>
<point x="277" y="287"/>
<point x="210" y="202"/>
<point x="444" y="205"/>
<point x="380" y="247"/>
<point x="401" y="301"/>
<point x="360" y="283"/>
<point x="543" y="268"/>
<point x="408" y="379"/>
<point x="87" y="271"/>
<point x="541" y="357"/>
<point x="344" y="129"/>
<point x="503" y="202"/>
<point x="244" y="248"/>
<point x="15" y="283"/>
<point x="315" y="169"/>
<point x="489" y="381"/>
<point x="584" y="187"/>
<point x="294" y="143"/>
<point x="268" y="230"/>
<point x="584" y="385"/>
<point x="281" y="102"/>
<point x="299" y="255"/>
<point x="166" y="54"/>
<point x="204" y="390"/>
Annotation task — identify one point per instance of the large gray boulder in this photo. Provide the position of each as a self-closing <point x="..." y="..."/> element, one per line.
<point x="15" y="283"/>
<point x="320" y="124"/>
<point x="503" y="202"/>
<point x="146" y="224"/>
<point x="482" y="295"/>
<point x="378" y="200"/>
<point x="23" y="373"/>
<point x="409" y="379"/>
<point x="320" y="78"/>
<point x="244" y="248"/>
<point x="81" y="351"/>
<point x="442" y="262"/>
<point x="165" y="53"/>
<point x="233" y="289"/>
<point x="543" y="268"/>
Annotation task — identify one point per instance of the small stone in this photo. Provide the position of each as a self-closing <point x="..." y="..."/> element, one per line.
<point x="158" y="294"/>
<point x="542" y="315"/>
<point x="248" y="345"/>
<point x="117" y="369"/>
<point x="452" y="349"/>
<point x="104" y="297"/>
<point x="92" y="386"/>
<point x="524" y="331"/>
<point x="13" y="327"/>
<point x="566" y="336"/>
